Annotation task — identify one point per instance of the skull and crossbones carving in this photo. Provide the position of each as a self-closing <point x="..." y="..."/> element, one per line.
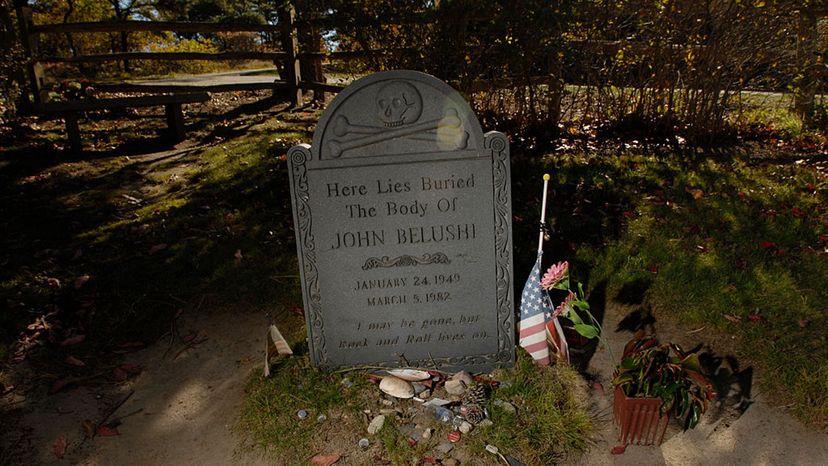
<point x="399" y="107"/>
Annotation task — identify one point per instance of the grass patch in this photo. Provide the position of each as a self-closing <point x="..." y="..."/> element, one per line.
<point x="551" y="423"/>
<point x="735" y="239"/>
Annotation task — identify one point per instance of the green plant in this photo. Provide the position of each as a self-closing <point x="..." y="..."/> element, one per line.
<point x="650" y="369"/>
<point x="575" y="306"/>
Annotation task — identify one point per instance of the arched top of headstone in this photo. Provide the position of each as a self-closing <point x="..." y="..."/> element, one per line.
<point x="396" y="113"/>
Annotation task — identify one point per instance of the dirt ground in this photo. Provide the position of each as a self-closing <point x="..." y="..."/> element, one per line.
<point x="761" y="435"/>
<point x="185" y="402"/>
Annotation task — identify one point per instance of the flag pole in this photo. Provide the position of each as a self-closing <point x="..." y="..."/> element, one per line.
<point x="543" y="212"/>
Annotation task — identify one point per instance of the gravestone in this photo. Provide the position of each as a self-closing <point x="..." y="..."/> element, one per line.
<point x="402" y="214"/>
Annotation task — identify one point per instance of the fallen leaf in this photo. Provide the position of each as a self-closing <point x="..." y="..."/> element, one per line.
<point x="767" y="244"/>
<point x="804" y="323"/>
<point x="130" y="368"/>
<point x="59" y="448"/>
<point x="73" y="361"/>
<point x="324" y="460"/>
<point x="106" y="431"/>
<point x="157" y="248"/>
<point x="119" y="374"/>
<point x="74" y="340"/>
<point x="430" y="460"/>
<point x="732" y="318"/>
<point x="53" y="283"/>
<point x="652" y="269"/>
<point x="238" y="256"/>
<point x="62" y="383"/>
<point x="618" y="450"/>
<point x="823" y="237"/>
<point x="755" y="318"/>
<point x="411" y="442"/>
<point x="299" y="311"/>
<point x="797" y="212"/>
<point x="80" y="281"/>
<point x="88" y="428"/>
<point x="132" y="344"/>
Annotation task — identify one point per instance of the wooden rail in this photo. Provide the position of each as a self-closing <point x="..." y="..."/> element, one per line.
<point x="105" y="57"/>
<point x="151" y="26"/>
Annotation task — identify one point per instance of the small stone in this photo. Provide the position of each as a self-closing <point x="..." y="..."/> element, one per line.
<point x="492" y="449"/>
<point x="454" y="436"/>
<point x="455" y="387"/>
<point x="427" y="433"/>
<point x="347" y="383"/>
<point x="509" y="408"/>
<point x="485" y="423"/>
<point x="301" y="414"/>
<point x="450" y="462"/>
<point x="464" y="377"/>
<point x="444" y="447"/>
<point x="364" y="443"/>
<point x="387" y="402"/>
<point x="321" y="418"/>
<point x="466" y="427"/>
<point x="376" y="424"/>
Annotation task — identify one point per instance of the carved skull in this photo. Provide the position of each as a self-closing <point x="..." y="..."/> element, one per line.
<point x="398" y="103"/>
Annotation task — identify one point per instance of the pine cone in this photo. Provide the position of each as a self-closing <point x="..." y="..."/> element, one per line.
<point x="474" y="413"/>
<point x="475" y="395"/>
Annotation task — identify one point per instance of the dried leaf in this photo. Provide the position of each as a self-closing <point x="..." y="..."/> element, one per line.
<point x="298" y="311"/>
<point x="733" y="318"/>
<point x="88" y="428"/>
<point x="59" y="448"/>
<point x="53" y="283"/>
<point x="652" y="269"/>
<point x="755" y="318"/>
<point x="74" y="340"/>
<point x="804" y="323"/>
<point x="119" y="374"/>
<point x="157" y="248"/>
<point x="618" y="450"/>
<point x="62" y="383"/>
<point x="106" y="431"/>
<point x="767" y="244"/>
<point x="324" y="460"/>
<point x="73" y="361"/>
<point x="238" y="256"/>
<point x="80" y="281"/>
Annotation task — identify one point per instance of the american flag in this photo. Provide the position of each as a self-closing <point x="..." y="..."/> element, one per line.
<point x="535" y="310"/>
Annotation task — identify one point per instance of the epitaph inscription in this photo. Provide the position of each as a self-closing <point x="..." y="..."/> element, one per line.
<point x="402" y="212"/>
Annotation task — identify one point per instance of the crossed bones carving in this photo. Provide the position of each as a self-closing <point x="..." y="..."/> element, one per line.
<point x="448" y="129"/>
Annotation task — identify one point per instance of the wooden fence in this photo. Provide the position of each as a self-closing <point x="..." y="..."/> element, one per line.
<point x="287" y="60"/>
<point x="292" y="63"/>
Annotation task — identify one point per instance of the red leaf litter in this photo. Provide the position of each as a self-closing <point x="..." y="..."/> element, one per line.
<point x="59" y="448"/>
<point x="324" y="460"/>
<point x="298" y="311"/>
<point x="767" y="244"/>
<point x="756" y="318"/>
<point x="618" y="450"/>
<point x="106" y="431"/>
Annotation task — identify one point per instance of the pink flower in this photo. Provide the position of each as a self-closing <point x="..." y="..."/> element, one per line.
<point x="566" y="303"/>
<point x="555" y="274"/>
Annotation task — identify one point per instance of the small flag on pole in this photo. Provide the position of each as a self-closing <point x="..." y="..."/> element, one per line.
<point x="535" y="309"/>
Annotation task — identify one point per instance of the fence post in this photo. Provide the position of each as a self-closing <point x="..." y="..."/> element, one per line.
<point x="293" y="75"/>
<point x="34" y="70"/>
<point x="807" y="78"/>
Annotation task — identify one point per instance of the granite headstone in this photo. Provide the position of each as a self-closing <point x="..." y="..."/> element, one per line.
<point x="402" y="213"/>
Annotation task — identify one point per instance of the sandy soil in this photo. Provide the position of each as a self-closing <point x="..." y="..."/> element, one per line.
<point x="762" y="435"/>
<point x="182" y="409"/>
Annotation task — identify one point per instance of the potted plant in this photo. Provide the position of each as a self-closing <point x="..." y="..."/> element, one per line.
<point x="652" y="382"/>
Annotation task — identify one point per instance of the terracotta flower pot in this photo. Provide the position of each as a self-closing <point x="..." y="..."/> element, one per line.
<point x="639" y="420"/>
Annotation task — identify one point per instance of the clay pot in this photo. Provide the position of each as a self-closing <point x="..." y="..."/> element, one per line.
<point x="639" y="420"/>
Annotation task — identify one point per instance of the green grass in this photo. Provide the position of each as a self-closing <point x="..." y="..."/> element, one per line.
<point x="551" y="423"/>
<point x="747" y="244"/>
